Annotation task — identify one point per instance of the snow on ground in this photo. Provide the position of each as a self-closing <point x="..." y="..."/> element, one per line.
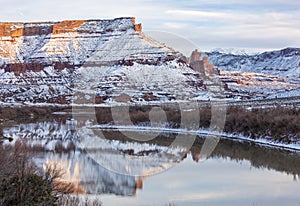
<point x="284" y="63"/>
<point x="252" y="85"/>
<point x="48" y="134"/>
<point x="143" y="159"/>
<point x="200" y="132"/>
<point x="111" y="59"/>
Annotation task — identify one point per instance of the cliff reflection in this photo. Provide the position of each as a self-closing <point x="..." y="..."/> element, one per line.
<point x="91" y="177"/>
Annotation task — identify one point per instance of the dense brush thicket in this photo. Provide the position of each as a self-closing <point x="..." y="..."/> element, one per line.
<point x="280" y="124"/>
<point x="22" y="183"/>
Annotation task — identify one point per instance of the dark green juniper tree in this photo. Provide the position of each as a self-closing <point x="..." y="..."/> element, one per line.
<point x="20" y="181"/>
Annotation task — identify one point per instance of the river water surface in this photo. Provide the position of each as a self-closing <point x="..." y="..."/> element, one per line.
<point x="122" y="171"/>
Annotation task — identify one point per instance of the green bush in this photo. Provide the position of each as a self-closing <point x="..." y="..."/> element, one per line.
<point x="30" y="189"/>
<point x="22" y="183"/>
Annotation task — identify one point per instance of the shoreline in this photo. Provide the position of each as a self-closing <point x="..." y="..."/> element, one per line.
<point x="202" y="132"/>
<point x="284" y="101"/>
<point x="10" y="115"/>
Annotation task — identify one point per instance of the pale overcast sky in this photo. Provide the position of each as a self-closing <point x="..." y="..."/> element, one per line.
<point x="249" y="25"/>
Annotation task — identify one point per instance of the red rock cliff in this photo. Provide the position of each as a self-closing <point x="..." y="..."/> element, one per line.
<point x="66" y="26"/>
<point x="35" y="45"/>
<point x="18" y="29"/>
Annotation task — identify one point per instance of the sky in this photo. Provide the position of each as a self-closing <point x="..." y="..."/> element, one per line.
<point x="257" y="25"/>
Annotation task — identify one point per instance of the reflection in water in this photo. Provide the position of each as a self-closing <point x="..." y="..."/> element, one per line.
<point x="89" y="176"/>
<point x="231" y="159"/>
<point x="260" y="156"/>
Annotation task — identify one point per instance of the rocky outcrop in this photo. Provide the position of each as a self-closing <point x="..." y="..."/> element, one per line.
<point x="66" y="26"/>
<point x="195" y="56"/>
<point x="19" y="68"/>
<point x="138" y="27"/>
<point x="12" y="30"/>
<point x="201" y="65"/>
<point x="15" y="30"/>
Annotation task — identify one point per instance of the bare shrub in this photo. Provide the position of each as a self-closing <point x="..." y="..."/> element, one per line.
<point x="22" y="183"/>
<point x="278" y="123"/>
<point x="69" y="200"/>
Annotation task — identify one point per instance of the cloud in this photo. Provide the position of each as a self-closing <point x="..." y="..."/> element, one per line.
<point x="238" y="28"/>
<point x="175" y="25"/>
<point x="239" y="17"/>
<point x="230" y="23"/>
<point x="191" y="14"/>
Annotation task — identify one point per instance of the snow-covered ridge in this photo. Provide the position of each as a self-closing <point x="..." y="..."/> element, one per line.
<point x="86" y="62"/>
<point x="285" y="62"/>
<point x="70" y="41"/>
<point x="232" y="51"/>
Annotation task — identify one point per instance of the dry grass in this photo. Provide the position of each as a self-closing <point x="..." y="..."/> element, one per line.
<point x="27" y="113"/>
<point x="277" y="123"/>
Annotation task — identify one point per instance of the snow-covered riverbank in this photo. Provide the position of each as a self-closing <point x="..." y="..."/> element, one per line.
<point x="202" y="133"/>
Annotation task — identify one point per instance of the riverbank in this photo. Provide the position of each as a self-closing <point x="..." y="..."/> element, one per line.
<point x="276" y="126"/>
<point x="201" y="133"/>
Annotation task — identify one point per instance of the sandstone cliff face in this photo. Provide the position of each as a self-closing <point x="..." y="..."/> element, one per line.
<point x="66" y="26"/>
<point x="201" y="65"/>
<point x="90" y="62"/>
<point x="138" y="27"/>
<point x="15" y="30"/>
<point x="18" y="29"/>
<point x="33" y="46"/>
<point x="195" y="56"/>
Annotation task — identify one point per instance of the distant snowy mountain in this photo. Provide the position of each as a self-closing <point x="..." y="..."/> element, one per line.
<point x="285" y="62"/>
<point x="274" y="74"/>
<point x="232" y="51"/>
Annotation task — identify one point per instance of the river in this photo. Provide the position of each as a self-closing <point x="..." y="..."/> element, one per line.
<point x="123" y="171"/>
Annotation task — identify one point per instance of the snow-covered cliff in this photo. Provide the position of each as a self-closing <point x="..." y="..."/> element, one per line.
<point x="76" y="61"/>
<point x="112" y="61"/>
<point x="57" y="43"/>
